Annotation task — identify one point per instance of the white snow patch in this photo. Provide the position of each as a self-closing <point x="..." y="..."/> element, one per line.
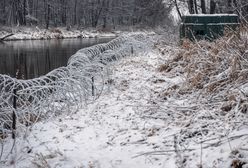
<point x="115" y="132"/>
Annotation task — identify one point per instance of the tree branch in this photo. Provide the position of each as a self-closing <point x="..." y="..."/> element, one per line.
<point x="3" y="38"/>
<point x="178" y="10"/>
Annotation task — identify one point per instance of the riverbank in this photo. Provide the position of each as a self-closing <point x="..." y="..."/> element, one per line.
<point x="26" y="33"/>
<point x="174" y="106"/>
<point x="35" y="33"/>
<point x="149" y="116"/>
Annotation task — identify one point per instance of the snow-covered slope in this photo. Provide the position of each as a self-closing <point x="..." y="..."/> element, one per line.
<point x="133" y="125"/>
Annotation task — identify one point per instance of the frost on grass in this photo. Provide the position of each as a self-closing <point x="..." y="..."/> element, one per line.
<point x="64" y="89"/>
<point x="210" y="105"/>
<point x="158" y="111"/>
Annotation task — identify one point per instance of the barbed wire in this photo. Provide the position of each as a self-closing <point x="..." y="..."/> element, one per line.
<point x="64" y="89"/>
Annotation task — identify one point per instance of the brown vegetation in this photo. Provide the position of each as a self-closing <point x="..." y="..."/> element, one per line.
<point x="212" y="66"/>
<point x="217" y="71"/>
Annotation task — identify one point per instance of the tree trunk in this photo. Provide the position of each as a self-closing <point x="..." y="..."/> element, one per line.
<point x="36" y="9"/>
<point x="203" y="6"/>
<point x="229" y="3"/>
<point x="65" y="12"/>
<point x="104" y="22"/>
<point x="47" y="14"/>
<point x="24" y="11"/>
<point x="19" y="13"/>
<point x="191" y="6"/>
<point x="195" y="7"/>
<point x="4" y="11"/>
<point x="212" y="6"/>
<point x="75" y="12"/>
<point x="178" y="11"/>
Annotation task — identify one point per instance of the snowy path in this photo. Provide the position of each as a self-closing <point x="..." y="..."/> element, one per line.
<point x="110" y="133"/>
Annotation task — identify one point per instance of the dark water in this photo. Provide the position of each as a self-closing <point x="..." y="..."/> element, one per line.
<point x="34" y="58"/>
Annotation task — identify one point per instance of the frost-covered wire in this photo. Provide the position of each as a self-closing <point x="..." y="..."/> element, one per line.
<point x="63" y="89"/>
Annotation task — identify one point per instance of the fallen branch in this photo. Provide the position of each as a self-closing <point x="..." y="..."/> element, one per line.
<point x="3" y="38"/>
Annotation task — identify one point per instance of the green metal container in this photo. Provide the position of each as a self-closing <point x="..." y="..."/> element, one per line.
<point x="207" y="26"/>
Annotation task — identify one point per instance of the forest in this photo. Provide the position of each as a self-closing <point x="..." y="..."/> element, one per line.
<point x="84" y="13"/>
<point x="108" y="13"/>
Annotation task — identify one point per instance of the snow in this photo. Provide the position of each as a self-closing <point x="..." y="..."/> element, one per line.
<point x="225" y="24"/>
<point x="26" y="33"/>
<point x="108" y="132"/>
<point x="211" y="15"/>
<point x="38" y="34"/>
<point x="116" y="130"/>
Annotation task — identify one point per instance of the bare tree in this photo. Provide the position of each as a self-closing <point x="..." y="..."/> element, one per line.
<point x="203" y="6"/>
<point x="212" y="6"/>
<point x="191" y="6"/>
<point x="87" y="13"/>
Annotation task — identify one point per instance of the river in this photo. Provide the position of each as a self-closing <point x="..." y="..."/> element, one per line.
<point x="34" y="58"/>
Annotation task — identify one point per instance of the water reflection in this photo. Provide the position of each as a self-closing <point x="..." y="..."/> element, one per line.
<point x="38" y="57"/>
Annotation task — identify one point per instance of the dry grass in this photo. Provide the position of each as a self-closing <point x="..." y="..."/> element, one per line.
<point x="211" y="100"/>
<point x="212" y="66"/>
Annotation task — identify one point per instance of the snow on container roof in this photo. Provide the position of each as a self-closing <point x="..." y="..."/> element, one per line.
<point x="210" y="18"/>
<point x="211" y="15"/>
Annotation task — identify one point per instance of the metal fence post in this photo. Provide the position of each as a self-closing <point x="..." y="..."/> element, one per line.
<point x="14" y="115"/>
<point x="92" y="86"/>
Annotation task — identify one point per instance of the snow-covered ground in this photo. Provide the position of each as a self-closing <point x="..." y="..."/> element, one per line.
<point x="37" y="34"/>
<point x="133" y="125"/>
<point x="27" y="33"/>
